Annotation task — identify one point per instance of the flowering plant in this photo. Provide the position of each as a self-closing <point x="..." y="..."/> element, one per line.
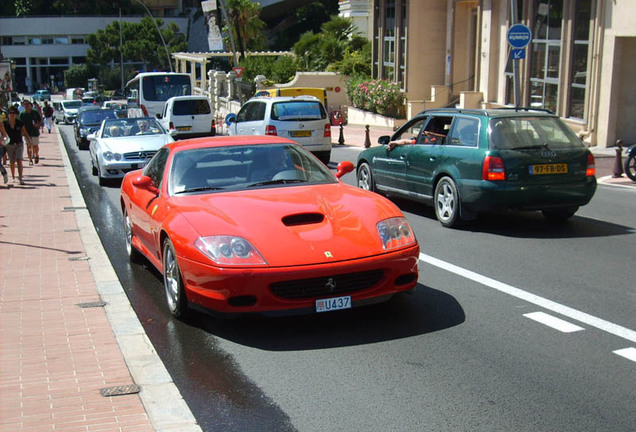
<point x="377" y="96"/>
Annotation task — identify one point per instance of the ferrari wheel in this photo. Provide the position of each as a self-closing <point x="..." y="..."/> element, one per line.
<point x="447" y="203"/>
<point x="133" y="254"/>
<point x="172" y="282"/>
<point x="365" y="177"/>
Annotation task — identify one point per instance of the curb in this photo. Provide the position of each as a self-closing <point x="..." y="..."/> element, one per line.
<point x="166" y="409"/>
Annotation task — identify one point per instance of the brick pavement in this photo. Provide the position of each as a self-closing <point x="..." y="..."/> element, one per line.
<point x="55" y="356"/>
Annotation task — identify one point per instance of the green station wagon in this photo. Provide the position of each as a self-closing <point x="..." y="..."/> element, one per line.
<point x="468" y="161"/>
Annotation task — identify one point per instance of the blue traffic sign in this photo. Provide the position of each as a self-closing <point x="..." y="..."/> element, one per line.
<point x="518" y="53"/>
<point x="519" y="36"/>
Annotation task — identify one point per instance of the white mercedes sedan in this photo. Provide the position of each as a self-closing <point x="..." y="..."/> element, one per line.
<point x="125" y="144"/>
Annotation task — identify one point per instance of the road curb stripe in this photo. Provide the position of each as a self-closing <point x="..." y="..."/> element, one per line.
<point x="554" y="322"/>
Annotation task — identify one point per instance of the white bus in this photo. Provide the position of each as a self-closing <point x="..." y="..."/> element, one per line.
<point x="148" y="92"/>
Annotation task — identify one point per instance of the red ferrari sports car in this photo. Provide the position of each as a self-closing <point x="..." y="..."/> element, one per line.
<point x="257" y="224"/>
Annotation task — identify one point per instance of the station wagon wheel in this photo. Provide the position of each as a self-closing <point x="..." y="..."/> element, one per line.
<point x="447" y="202"/>
<point x="172" y="282"/>
<point x="133" y="254"/>
<point x="560" y="214"/>
<point x="365" y="177"/>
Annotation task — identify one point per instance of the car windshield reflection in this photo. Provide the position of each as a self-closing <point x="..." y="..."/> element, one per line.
<point x="236" y="168"/>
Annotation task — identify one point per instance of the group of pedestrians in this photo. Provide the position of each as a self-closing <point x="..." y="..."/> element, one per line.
<point x="20" y="125"/>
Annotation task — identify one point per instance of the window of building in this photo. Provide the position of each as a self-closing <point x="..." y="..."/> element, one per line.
<point x="581" y="41"/>
<point x="546" y="54"/>
<point x="388" y="41"/>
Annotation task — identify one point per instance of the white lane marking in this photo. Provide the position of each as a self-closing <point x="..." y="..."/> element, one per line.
<point x="628" y="353"/>
<point x="554" y="322"/>
<point x="590" y="320"/>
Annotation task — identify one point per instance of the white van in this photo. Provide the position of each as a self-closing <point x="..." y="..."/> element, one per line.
<point x="188" y="117"/>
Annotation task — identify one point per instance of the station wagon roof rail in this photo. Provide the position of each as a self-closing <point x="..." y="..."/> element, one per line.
<point x="484" y="112"/>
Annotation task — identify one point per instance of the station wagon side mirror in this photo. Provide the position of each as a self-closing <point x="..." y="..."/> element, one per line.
<point x="344" y="167"/>
<point x="384" y="139"/>
<point x="145" y="182"/>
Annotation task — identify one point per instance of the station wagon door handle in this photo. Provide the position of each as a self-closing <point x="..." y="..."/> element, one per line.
<point x="432" y="158"/>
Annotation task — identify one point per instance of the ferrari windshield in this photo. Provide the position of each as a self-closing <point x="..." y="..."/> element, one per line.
<point x="234" y="168"/>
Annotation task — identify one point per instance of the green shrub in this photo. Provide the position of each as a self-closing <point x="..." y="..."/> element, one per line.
<point x="377" y="96"/>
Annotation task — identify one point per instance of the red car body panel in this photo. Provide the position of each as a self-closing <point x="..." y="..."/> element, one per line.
<point x="343" y="242"/>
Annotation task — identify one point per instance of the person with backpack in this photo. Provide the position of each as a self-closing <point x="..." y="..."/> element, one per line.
<point x="48" y="115"/>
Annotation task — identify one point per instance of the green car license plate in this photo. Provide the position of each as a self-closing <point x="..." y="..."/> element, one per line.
<point x="542" y="169"/>
<point x="332" y="304"/>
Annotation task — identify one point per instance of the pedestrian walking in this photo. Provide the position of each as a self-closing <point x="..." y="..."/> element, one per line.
<point x="32" y="120"/>
<point x="3" y="117"/>
<point x="38" y="108"/>
<point x="15" y="130"/>
<point x="4" y="140"/>
<point x="48" y="115"/>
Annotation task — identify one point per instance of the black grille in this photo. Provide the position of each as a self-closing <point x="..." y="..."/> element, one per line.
<point x="327" y="286"/>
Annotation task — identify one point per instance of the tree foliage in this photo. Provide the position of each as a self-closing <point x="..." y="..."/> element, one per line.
<point x="21" y="8"/>
<point x="245" y="25"/>
<point x="141" y="43"/>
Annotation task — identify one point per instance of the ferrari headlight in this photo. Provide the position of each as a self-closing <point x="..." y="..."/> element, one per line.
<point x="395" y="233"/>
<point x="109" y="156"/>
<point x="229" y="250"/>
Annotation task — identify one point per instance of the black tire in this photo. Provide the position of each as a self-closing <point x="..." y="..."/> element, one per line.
<point x="93" y="169"/>
<point x="365" y="177"/>
<point x="559" y="215"/>
<point x="134" y="255"/>
<point x="173" y="283"/>
<point x="447" y="202"/>
<point x="324" y="156"/>
<point x="630" y="166"/>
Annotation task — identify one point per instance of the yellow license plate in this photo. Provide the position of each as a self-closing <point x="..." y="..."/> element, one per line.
<point x="548" y="169"/>
<point x="297" y="134"/>
<point x="183" y="128"/>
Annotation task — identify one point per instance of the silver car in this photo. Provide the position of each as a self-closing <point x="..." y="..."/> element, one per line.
<point x="123" y="145"/>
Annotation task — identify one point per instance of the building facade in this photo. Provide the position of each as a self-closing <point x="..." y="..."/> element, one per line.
<point x="43" y="48"/>
<point x="455" y="52"/>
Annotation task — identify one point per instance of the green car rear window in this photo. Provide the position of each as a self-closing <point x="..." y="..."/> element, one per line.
<point x="518" y="133"/>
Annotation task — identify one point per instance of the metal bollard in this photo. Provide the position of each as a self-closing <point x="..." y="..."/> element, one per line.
<point x="618" y="162"/>
<point x="341" y="139"/>
<point x="367" y="140"/>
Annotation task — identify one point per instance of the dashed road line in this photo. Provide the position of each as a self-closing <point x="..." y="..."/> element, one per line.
<point x="628" y="353"/>
<point x="544" y="303"/>
<point x="554" y="322"/>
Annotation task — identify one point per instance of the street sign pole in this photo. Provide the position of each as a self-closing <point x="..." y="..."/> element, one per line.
<point x="515" y="64"/>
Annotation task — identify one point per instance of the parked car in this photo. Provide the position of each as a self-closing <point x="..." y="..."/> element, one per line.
<point x="257" y="225"/>
<point x="468" y="161"/>
<point x="89" y="119"/>
<point x="122" y="145"/>
<point x="66" y="111"/>
<point x="188" y="116"/>
<point x="41" y="95"/>
<point x="302" y="119"/>
<point x="93" y="100"/>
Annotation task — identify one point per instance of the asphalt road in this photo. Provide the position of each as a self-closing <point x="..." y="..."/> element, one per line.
<point x="474" y="349"/>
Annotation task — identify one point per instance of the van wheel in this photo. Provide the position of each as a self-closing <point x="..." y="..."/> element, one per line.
<point x="324" y="156"/>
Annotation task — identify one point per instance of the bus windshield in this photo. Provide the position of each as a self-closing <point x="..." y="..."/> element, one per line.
<point x="160" y="88"/>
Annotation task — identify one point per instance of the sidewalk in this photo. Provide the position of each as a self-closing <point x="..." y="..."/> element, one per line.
<point x="73" y="355"/>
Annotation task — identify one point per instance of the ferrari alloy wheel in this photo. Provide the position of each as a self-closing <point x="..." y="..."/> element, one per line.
<point x="365" y="177"/>
<point x="172" y="282"/>
<point x="133" y="254"/>
<point x="446" y="201"/>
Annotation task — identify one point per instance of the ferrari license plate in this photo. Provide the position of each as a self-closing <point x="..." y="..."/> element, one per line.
<point x="183" y="128"/>
<point x="549" y="169"/>
<point x="332" y="304"/>
<point x="299" y="134"/>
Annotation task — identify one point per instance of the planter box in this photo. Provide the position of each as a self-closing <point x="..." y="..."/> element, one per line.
<point x="357" y="116"/>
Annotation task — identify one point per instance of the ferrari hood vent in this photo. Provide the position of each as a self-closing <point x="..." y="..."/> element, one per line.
<point x="303" y="219"/>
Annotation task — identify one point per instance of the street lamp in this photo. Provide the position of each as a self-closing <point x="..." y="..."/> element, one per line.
<point x="158" y="31"/>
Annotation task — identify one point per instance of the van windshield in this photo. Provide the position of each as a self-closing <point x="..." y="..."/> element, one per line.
<point x="298" y="110"/>
<point x="72" y="104"/>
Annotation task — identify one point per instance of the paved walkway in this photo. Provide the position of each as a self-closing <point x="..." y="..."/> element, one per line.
<point x="62" y="352"/>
